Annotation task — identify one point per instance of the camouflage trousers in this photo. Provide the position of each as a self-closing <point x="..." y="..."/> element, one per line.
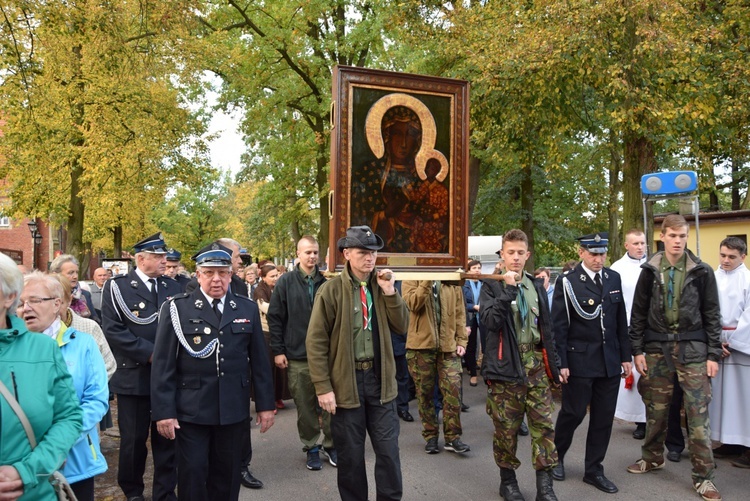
<point x="508" y="402"/>
<point x="425" y="367"/>
<point x="656" y="390"/>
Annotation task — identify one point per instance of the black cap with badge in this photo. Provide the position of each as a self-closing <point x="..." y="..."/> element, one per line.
<point x="360" y="237"/>
<point x="173" y="255"/>
<point x="153" y="245"/>
<point x="213" y="255"/>
<point x="595" y="243"/>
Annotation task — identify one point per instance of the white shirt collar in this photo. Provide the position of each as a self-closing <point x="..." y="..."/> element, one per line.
<point x="211" y="300"/>
<point x="144" y="278"/>
<point x="589" y="272"/>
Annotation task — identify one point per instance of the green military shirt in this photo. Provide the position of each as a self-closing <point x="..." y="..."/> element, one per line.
<point x="363" y="347"/>
<point x="678" y="280"/>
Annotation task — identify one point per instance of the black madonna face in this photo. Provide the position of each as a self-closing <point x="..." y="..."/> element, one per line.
<point x="404" y="142"/>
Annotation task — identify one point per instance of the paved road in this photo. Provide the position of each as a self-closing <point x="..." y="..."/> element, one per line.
<point x="280" y="463"/>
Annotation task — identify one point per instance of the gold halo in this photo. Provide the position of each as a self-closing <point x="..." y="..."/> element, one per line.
<point x="429" y="131"/>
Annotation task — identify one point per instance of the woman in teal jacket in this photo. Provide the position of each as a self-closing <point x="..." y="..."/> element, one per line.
<point x="34" y="371"/>
<point x="86" y="365"/>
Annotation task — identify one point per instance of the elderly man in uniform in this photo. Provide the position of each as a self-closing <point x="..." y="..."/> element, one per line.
<point x="518" y="374"/>
<point x="730" y="406"/>
<point x="200" y="389"/>
<point x="352" y="365"/>
<point x="130" y="307"/>
<point x="173" y="265"/>
<point x="675" y="327"/>
<point x="591" y="331"/>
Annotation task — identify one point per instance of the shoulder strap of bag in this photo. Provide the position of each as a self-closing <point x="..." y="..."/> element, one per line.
<point x="19" y="412"/>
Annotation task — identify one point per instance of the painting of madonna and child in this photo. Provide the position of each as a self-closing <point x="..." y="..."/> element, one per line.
<point x="398" y="163"/>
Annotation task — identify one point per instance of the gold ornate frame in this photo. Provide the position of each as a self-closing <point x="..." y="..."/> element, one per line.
<point x="361" y="98"/>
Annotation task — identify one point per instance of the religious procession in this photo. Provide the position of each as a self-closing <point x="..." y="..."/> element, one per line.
<point x="374" y="251"/>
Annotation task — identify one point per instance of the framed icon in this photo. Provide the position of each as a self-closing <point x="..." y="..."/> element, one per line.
<point x="399" y="160"/>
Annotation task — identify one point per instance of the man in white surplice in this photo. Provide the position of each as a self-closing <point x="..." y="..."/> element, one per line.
<point x="629" y="404"/>
<point x="729" y="410"/>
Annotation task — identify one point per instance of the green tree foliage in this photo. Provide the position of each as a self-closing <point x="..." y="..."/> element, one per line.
<point x="275" y="60"/>
<point x="96" y="129"/>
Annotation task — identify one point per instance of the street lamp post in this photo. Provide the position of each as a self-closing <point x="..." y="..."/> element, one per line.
<point x="36" y="238"/>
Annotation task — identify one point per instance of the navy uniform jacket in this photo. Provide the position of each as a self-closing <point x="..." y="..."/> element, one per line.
<point x="183" y="281"/>
<point x="582" y="346"/>
<point x="214" y="390"/>
<point x="132" y="340"/>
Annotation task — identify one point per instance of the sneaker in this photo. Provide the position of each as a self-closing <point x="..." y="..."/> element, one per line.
<point x="641" y="466"/>
<point x="742" y="461"/>
<point x="707" y="490"/>
<point x="432" y="446"/>
<point x="457" y="446"/>
<point x="331" y="455"/>
<point x="313" y="460"/>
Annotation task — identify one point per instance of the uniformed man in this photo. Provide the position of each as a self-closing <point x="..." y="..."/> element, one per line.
<point x="675" y="327"/>
<point x="200" y="387"/>
<point x="173" y="264"/>
<point x="591" y="331"/>
<point x="130" y="306"/>
<point x="518" y="375"/>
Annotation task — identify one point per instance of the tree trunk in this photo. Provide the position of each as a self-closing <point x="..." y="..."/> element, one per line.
<point x="613" y="204"/>
<point x="117" y="241"/>
<point x="76" y="209"/>
<point x="474" y="170"/>
<point x="527" y="211"/>
<point x="639" y="160"/>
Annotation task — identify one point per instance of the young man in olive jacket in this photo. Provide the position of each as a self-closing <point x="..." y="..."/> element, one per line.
<point x="520" y="364"/>
<point x="675" y="326"/>
<point x="353" y="368"/>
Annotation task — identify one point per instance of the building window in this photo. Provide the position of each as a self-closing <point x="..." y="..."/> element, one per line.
<point x="4" y="221"/>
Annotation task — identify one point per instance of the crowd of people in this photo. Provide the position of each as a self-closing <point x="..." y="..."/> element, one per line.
<point x="646" y="340"/>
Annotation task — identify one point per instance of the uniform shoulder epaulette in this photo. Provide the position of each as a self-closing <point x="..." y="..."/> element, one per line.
<point x="240" y="296"/>
<point x="181" y="295"/>
<point x="119" y="277"/>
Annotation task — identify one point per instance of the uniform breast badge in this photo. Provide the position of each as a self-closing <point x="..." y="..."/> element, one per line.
<point x="134" y="284"/>
<point x="207" y="330"/>
<point x="591" y="302"/>
<point x="233" y="304"/>
<point x="135" y="312"/>
<point x="141" y="305"/>
<point x="583" y="277"/>
<point x="199" y="304"/>
<point x="197" y="340"/>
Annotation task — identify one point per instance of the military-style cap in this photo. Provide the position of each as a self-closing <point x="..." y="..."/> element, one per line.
<point x="595" y="243"/>
<point x="245" y="257"/>
<point x="173" y="255"/>
<point x="153" y="245"/>
<point x="213" y="255"/>
<point x="360" y="237"/>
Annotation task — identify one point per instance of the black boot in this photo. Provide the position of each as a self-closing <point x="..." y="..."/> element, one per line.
<point x="509" y="485"/>
<point x="544" y="490"/>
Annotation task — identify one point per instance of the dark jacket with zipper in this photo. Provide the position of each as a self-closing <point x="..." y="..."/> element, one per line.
<point x="502" y="359"/>
<point x="699" y="312"/>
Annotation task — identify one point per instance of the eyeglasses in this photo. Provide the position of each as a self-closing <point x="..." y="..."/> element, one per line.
<point x="35" y="301"/>
<point x="213" y="273"/>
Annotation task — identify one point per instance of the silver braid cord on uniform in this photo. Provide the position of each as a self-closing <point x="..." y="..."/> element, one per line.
<point x="205" y="352"/>
<point x="574" y="301"/>
<point x="126" y="311"/>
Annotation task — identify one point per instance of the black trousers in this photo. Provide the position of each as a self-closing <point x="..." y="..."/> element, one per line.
<point x="601" y="395"/>
<point x="471" y="349"/>
<point x="134" y="417"/>
<point x="348" y="427"/>
<point x="84" y="489"/>
<point x="207" y="461"/>
<point x="402" y="379"/>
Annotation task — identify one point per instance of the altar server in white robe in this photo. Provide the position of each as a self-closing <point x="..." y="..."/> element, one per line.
<point x="729" y="410"/>
<point x="629" y="404"/>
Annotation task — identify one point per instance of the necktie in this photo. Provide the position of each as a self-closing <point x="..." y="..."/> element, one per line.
<point x="216" y="303"/>
<point x="310" y="289"/>
<point x="154" y="293"/>
<point x="523" y="306"/>
<point x="598" y="282"/>
<point x="364" y="296"/>
<point x="670" y="288"/>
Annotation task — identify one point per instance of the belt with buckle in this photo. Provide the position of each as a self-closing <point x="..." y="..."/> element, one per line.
<point x="527" y="347"/>
<point x="363" y="365"/>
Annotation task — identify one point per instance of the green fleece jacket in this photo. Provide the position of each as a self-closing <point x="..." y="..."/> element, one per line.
<point x="330" y="339"/>
<point x="34" y="371"/>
